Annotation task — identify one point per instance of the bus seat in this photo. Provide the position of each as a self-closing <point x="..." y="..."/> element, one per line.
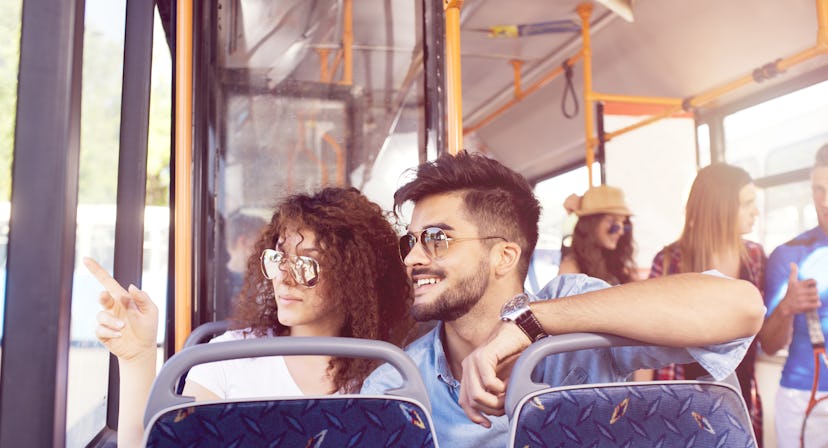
<point x="400" y="417"/>
<point x="651" y="413"/>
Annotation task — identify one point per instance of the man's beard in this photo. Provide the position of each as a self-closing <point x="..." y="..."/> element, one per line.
<point x="455" y="302"/>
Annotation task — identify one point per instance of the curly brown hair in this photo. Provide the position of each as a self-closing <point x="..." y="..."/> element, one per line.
<point x="361" y="273"/>
<point x="613" y="266"/>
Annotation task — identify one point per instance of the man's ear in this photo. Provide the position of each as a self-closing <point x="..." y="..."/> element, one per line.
<point x="507" y="257"/>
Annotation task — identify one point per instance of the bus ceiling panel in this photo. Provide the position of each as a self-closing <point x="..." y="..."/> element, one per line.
<point x="673" y="49"/>
<point x="305" y="129"/>
<point x="679" y="49"/>
<point x="534" y="137"/>
<point x="488" y="48"/>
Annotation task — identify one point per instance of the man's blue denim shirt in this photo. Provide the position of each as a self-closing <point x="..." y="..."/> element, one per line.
<point x="454" y="429"/>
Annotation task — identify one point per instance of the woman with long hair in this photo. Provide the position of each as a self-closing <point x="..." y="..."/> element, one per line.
<point x="602" y="242"/>
<point x="721" y="209"/>
<point x="327" y="264"/>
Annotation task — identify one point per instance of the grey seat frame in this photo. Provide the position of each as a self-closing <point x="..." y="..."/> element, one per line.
<point x="163" y="397"/>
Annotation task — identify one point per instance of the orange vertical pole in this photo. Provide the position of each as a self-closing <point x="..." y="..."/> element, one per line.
<point x="516" y="65"/>
<point x="183" y="172"/>
<point x="335" y="65"/>
<point x="454" y="87"/>
<point x="585" y="11"/>
<point x="348" y="42"/>
<point x="323" y="64"/>
<point x="822" y="25"/>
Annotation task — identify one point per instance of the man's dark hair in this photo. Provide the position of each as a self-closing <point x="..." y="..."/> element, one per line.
<point x="498" y="200"/>
<point x="822" y="156"/>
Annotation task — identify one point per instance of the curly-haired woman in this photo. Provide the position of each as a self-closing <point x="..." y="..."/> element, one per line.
<point x="602" y="242"/>
<point x="327" y="264"/>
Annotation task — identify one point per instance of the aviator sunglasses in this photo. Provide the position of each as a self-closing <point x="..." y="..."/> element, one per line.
<point x="616" y="227"/>
<point x="304" y="270"/>
<point x="435" y="242"/>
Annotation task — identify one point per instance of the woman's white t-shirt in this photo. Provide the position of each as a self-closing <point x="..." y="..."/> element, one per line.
<point x="246" y="377"/>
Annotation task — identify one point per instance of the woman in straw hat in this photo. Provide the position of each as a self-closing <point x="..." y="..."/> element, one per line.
<point x="602" y="243"/>
<point x="720" y="209"/>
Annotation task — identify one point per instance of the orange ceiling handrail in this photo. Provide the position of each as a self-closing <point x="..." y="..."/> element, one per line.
<point x="549" y="77"/>
<point x="633" y="99"/>
<point x="760" y="74"/>
<point x="822" y="25"/>
<point x="667" y="112"/>
<point x="454" y="107"/>
<point x="673" y="105"/>
<point x="182" y="256"/>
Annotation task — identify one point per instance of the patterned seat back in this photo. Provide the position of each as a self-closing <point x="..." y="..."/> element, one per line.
<point x="340" y="421"/>
<point x="652" y="414"/>
<point x="656" y="414"/>
<point x="399" y="418"/>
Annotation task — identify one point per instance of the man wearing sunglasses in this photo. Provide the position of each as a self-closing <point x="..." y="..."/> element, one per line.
<point x="467" y="251"/>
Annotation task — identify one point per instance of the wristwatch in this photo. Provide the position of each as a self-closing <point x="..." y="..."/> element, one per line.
<point x="517" y="310"/>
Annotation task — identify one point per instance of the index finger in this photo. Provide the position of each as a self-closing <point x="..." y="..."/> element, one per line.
<point x="112" y="286"/>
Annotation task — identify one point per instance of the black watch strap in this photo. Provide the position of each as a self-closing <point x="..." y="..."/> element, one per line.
<point x="530" y="325"/>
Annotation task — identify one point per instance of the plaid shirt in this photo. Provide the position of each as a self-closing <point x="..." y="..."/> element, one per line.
<point x="752" y="270"/>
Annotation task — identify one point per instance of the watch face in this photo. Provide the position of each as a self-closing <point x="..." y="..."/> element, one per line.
<point x="515" y="307"/>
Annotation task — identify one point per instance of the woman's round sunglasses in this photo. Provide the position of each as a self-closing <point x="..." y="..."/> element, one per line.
<point x="304" y="270"/>
<point x="616" y="227"/>
<point x="435" y="242"/>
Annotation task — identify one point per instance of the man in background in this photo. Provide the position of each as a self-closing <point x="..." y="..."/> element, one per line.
<point x="796" y="283"/>
<point x="241" y="232"/>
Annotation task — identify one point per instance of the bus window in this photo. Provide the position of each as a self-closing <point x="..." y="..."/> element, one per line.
<point x="665" y="154"/>
<point x="303" y="105"/>
<point x="554" y="224"/>
<point x="397" y="152"/>
<point x="703" y="145"/>
<point x="157" y="212"/>
<point x="9" y="55"/>
<point x="787" y="207"/>
<point x="780" y="135"/>
<point x="95" y="233"/>
<point x="776" y="141"/>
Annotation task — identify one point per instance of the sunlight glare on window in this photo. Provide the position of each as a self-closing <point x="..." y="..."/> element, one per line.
<point x="779" y="135"/>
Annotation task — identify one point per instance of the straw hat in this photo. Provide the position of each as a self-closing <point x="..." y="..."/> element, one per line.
<point x="603" y="199"/>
